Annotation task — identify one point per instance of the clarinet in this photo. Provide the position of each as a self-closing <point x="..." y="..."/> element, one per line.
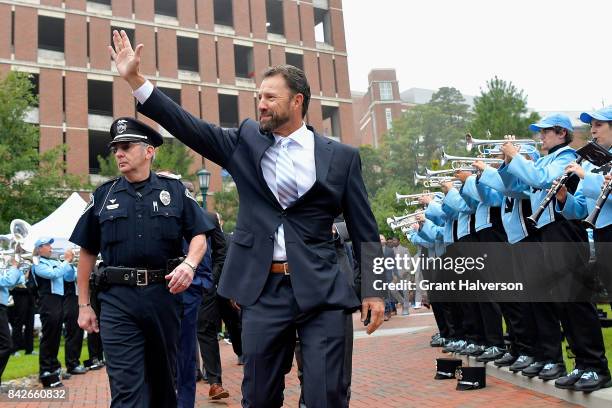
<point x="535" y="216"/>
<point x="591" y="220"/>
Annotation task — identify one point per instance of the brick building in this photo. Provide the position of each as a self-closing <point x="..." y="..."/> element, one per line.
<point x="208" y="55"/>
<point x="375" y="110"/>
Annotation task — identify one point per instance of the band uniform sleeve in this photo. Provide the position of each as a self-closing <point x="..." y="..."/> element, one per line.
<point x="10" y="277"/>
<point x="592" y="185"/>
<point x="361" y="226"/>
<point x="540" y="177"/>
<point x="213" y="142"/>
<point x="86" y="233"/>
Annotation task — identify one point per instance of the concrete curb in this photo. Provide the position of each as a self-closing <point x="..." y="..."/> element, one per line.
<point x="597" y="399"/>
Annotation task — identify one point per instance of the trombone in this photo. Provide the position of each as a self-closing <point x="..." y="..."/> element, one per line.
<point x="493" y="147"/>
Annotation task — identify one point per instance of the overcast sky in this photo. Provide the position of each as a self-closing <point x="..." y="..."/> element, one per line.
<point x="557" y="51"/>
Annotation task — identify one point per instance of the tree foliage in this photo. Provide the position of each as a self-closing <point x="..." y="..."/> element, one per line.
<point x="501" y="109"/>
<point x="226" y="204"/>
<point x="172" y="156"/>
<point x="32" y="184"/>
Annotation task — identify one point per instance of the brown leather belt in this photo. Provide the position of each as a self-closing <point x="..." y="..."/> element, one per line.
<point x="280" y="268"/>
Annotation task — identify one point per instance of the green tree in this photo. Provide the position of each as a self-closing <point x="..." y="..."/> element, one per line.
<point x="32" y="184"/>
<point x="501" y="109"/>
<point x="172" y="156"/>
<point x="226" y="204"/>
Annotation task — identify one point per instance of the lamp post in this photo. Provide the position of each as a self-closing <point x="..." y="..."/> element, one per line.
<point x="204" y="180"/>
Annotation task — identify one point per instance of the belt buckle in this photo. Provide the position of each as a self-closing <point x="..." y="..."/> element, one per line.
<point x="140" y="282"/>
<point x="285" y="268"/>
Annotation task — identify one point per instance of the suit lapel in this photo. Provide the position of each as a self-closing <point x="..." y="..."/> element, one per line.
<point x="258" y="151"/>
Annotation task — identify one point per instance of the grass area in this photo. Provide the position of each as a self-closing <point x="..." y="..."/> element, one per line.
<point x="607" y="335"/>
<point x="26" y="365"/>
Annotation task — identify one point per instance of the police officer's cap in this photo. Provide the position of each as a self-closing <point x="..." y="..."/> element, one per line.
<point x="127" y="129"/>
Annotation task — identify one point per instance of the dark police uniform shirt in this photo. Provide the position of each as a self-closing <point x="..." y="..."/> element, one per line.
<point x="141" y="224"/>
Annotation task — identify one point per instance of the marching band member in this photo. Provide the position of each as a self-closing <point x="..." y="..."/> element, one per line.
<point x="515" y="209"/>
<point x="9" y="278"/>
<point x="591" y="370"/>
<point x="556" y="133"/>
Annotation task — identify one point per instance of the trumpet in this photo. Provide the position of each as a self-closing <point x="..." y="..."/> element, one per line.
<point x="403" y="221"/>
<point x="492" y="147"/>
<point x="435" y="181"/>
<point x="411" y="199"/>
<point x="461" y="162"/>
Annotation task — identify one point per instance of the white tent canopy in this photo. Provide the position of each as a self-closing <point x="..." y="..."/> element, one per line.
<point x="58" y="225"/>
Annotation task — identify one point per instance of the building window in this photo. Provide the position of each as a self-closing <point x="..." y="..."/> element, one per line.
<point x="107" y="2"/>
<point x="386" y="91"/>
<point x="228" y="111"/>
<point x="51" y="33"/>
<point x="100" y="97"/>
<point x="187" y="51"/>
<point x="128" y="31"/>
<point x="165" y="7"/>
<point x="322" y="26"/>
<point x="98" y="146"/>
<point x="34" y="79"/>
<point x="389" y="118"/>
<point x="223" y="13"/>
<point x="243" y="60"/>
<point x="274" y="15"/>
<point x="297" y="60"/>
<point x="331" y="122"/>
<point x="174" y="94"/>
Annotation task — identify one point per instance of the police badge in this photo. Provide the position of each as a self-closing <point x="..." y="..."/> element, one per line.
<point x="121" y="126"/>
<point x="164" y="197"/>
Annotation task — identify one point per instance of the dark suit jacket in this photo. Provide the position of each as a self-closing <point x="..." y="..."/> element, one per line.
<point x="315" y="276"/>
<point x="217" y="246"/>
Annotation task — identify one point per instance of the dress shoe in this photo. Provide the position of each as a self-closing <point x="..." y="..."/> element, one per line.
<point x="567" y="382"/>
<point x="435" y="336"/>
<point x="78" y="370"/>
<point x="96" y="364"/>
<point x="552" y="371"/>
<point x="490" y="354"/>
<point x="521" y="363"/>
<point x="591" y="381"/>
<point x="51" y="379"/>
<point x="506" y="360"/>
<point x="534" y="369"/>
<point x="217" y="392"/>
<point x="65" y="375"/>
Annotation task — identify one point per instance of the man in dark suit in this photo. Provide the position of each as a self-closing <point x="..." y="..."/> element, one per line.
<point x="281" y="266"/>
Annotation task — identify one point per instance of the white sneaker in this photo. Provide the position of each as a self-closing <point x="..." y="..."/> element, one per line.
<point x="417" y="305"/>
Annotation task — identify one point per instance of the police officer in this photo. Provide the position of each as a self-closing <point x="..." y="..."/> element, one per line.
<point x="50" y="275"/>
<point x="8" y="278"/>
<point x="138" y="222"/>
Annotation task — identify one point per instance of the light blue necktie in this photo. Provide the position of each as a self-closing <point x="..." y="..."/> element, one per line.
<point x="286" y="184"/>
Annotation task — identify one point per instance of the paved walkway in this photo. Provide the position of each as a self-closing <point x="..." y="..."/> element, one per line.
<point x="393" y="368"/>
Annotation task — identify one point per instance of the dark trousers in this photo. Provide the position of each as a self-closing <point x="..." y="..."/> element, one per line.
<point x="74" y="334"/>
<point x="231" y="318"/>
<point x="22" y="320"/>
<point x="140" y="331"/>
<point x="438" y="312"/>
<point x="5" y="340"/>
<point x="348" y="360"/>
<point x="268" y="336"/>
<point x="208" y="323"/>
<point x="94" y="346"/>
<point x="51" y="316"/>
<point x="186" y="370"/>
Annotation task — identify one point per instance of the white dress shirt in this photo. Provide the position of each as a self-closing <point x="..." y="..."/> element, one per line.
<point x="301" y="151"/>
